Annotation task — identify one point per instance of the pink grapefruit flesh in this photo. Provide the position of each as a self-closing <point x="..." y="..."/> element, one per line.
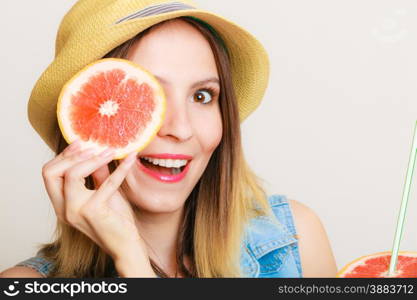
<point x="111" y="103"/>
<point x="376" y="266"/>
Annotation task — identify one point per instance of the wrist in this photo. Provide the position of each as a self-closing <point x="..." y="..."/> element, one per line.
<point x="128" y="270"/>
<point x="130" y="266"/>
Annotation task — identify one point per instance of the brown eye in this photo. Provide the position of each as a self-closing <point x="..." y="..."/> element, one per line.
<point x="202" y="96"/>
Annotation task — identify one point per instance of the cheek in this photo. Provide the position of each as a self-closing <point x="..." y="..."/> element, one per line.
<point x="208" y="129"/>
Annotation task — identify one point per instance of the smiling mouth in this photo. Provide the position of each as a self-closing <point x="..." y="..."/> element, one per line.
<point x="161" y="169"/>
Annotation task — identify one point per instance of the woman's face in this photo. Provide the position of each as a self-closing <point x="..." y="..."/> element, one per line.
<point x="183" y="62"/>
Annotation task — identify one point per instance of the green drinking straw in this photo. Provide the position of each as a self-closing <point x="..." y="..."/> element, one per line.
<point x="403" y="208"/>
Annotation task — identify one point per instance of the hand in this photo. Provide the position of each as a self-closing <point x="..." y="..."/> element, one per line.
<point x="104" y="215"/>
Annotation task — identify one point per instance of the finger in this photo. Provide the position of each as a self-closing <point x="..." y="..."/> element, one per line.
<point x="100" y="175"/>
<point x="69" y="150"/>
<point x="52" y="172"/>
<point x="113" y="182"/>
<point x="74" y="176"/>
<point x="53" y="176"/>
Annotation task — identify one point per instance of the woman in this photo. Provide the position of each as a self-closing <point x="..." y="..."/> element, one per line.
<point x="216" y="221"/>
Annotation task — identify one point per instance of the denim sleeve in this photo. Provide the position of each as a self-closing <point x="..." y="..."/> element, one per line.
<point x="38" y="263"/>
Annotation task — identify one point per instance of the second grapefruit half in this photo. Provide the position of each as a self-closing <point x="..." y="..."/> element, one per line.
<point x="376" y="266"/>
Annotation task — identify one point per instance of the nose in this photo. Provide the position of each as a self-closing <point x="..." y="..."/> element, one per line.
<point x="177" y="124"/>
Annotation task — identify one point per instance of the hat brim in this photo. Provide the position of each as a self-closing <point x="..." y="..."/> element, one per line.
<point x="249" y="64"/>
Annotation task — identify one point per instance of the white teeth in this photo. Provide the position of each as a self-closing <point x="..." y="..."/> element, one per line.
<point x="168" y="163"/>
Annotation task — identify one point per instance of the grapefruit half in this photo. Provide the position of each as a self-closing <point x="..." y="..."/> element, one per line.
<point x="111" y="103"/>
<point x="376" y="266"/>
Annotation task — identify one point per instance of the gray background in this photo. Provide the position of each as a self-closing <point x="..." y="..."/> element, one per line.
<point x="334" y="131"/>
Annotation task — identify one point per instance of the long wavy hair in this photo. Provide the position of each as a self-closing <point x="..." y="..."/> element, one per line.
<point x="216" y="212"/>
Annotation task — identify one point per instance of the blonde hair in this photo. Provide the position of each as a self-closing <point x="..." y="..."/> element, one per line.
<point x="216" y="212"/>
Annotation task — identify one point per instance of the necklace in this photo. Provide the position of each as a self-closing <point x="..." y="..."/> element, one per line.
<point x="176" y="267"/>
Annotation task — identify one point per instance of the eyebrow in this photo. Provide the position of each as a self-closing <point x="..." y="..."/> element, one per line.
<point x="195" y="84"/>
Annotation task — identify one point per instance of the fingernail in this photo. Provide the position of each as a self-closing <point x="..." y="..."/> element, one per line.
<point x="130" y="158"/>
<point x="107" y="153"/>
<point x="87" y="153"/>
<point x="74" y="145"/>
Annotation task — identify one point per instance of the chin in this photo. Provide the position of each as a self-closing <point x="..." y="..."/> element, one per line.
<point x="159" y="203"/>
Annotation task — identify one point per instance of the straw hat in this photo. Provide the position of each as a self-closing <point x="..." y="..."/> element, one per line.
<point x="94" y="27"/>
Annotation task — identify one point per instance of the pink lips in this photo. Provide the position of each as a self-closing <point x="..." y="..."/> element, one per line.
<point x="166" y="177"/>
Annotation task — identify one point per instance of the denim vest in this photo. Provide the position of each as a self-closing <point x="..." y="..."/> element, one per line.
<point x="269" y="248"/>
